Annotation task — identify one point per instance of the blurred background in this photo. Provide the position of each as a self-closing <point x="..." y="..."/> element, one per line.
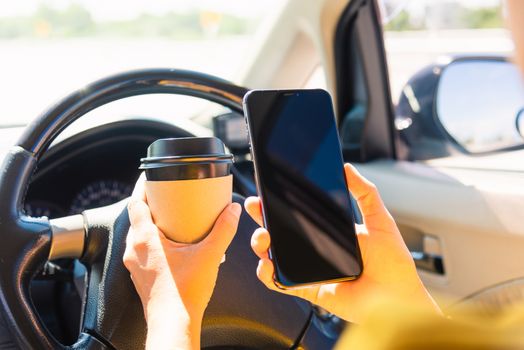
<point x="424" y="31"/>
<point x="51" y="47"/>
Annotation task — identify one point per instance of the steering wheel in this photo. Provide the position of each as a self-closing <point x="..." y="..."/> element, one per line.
<point x="242" y="312"/>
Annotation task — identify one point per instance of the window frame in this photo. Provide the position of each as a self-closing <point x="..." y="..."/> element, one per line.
<point x="359" y="49"/>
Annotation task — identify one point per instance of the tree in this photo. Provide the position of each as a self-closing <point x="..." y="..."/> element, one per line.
<point x="485" y="17"/>
<point x="402" y="22"/>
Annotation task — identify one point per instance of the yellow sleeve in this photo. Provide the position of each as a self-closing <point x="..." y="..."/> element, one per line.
<point x="395" y="327"/>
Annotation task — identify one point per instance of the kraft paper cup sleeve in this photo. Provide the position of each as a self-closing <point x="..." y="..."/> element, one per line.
<point x="186" y="210"/>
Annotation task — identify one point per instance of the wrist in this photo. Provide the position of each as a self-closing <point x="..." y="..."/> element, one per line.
<point x="172" y="327"/>
<point x="170" y="308"/>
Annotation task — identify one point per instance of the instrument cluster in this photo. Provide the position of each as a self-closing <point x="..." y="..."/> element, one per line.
<point x="93" y="195"/>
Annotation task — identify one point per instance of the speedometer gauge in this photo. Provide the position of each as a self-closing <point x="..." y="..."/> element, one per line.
<point x="99" y="194"/>
<point x="38" y="208"/>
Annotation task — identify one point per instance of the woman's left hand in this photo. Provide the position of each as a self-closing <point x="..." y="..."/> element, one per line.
<point x="174" y="281"/>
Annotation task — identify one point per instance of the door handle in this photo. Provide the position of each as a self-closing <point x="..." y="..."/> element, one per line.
<point x="428" y="262"/>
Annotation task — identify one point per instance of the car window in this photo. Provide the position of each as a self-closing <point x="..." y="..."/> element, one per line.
<point x="426" y="31"/>
<point x="53" y="47"/>
<point x="451" y="71"/>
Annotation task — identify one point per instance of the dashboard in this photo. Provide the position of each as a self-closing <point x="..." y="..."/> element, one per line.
<point x="94" y="168"/>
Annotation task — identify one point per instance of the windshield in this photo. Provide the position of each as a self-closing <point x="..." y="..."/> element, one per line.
<point x="50" y="48"/>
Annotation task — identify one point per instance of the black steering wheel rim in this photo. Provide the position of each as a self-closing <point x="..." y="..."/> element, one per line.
<point x="43" y="130"/>
<point x="27" y="240"/>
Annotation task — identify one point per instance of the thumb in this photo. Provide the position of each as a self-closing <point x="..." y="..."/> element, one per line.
<point x="224" y="229"/>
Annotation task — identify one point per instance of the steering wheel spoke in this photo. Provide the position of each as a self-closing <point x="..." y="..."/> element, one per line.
<point x="68" y="237"/>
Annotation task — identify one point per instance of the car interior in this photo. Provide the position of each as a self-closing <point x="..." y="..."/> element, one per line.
<point x="67" y="175"/>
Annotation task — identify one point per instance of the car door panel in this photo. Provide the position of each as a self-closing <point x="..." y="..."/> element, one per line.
<point x="474" y="215"/>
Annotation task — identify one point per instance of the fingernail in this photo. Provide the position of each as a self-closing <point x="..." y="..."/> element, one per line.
<point x="236" y="209"/>
<point x="352" y="167"/>
<point x="247" y="200"/>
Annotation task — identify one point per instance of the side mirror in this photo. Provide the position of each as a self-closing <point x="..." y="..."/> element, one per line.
<point x="464" y="105"/>
<point x="477" y="102"/>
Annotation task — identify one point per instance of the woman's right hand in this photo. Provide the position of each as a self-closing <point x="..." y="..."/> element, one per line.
<point x="389" y="271"/>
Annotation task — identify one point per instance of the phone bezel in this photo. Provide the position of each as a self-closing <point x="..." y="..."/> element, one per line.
<point x="277" y="282"/>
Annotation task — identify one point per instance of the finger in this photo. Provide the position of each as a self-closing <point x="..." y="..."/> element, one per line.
<point x="139" y="192"/>
<point x="254" y="209"/>
<point x="224" y="229"/>
<point x="141" y="221"/>
<point x="363" y="239"/>
<point x="128" y="254"/>
<point x="260" y="242"/>
<point x="139" y="213"/>
<point x="265" y="273"/>
<point x="366" y="194"/>
<point x="129" y="239"/>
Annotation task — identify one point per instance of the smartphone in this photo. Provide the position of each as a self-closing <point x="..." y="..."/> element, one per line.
<point x="300" y="179"/>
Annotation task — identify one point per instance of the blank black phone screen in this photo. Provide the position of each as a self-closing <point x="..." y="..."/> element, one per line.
<point x="300" y="174"/>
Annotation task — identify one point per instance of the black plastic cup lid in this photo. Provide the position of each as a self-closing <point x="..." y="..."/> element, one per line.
<point x="184" y="150"/>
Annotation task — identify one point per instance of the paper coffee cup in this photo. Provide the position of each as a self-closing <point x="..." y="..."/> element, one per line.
<point x="188" y="185"/>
